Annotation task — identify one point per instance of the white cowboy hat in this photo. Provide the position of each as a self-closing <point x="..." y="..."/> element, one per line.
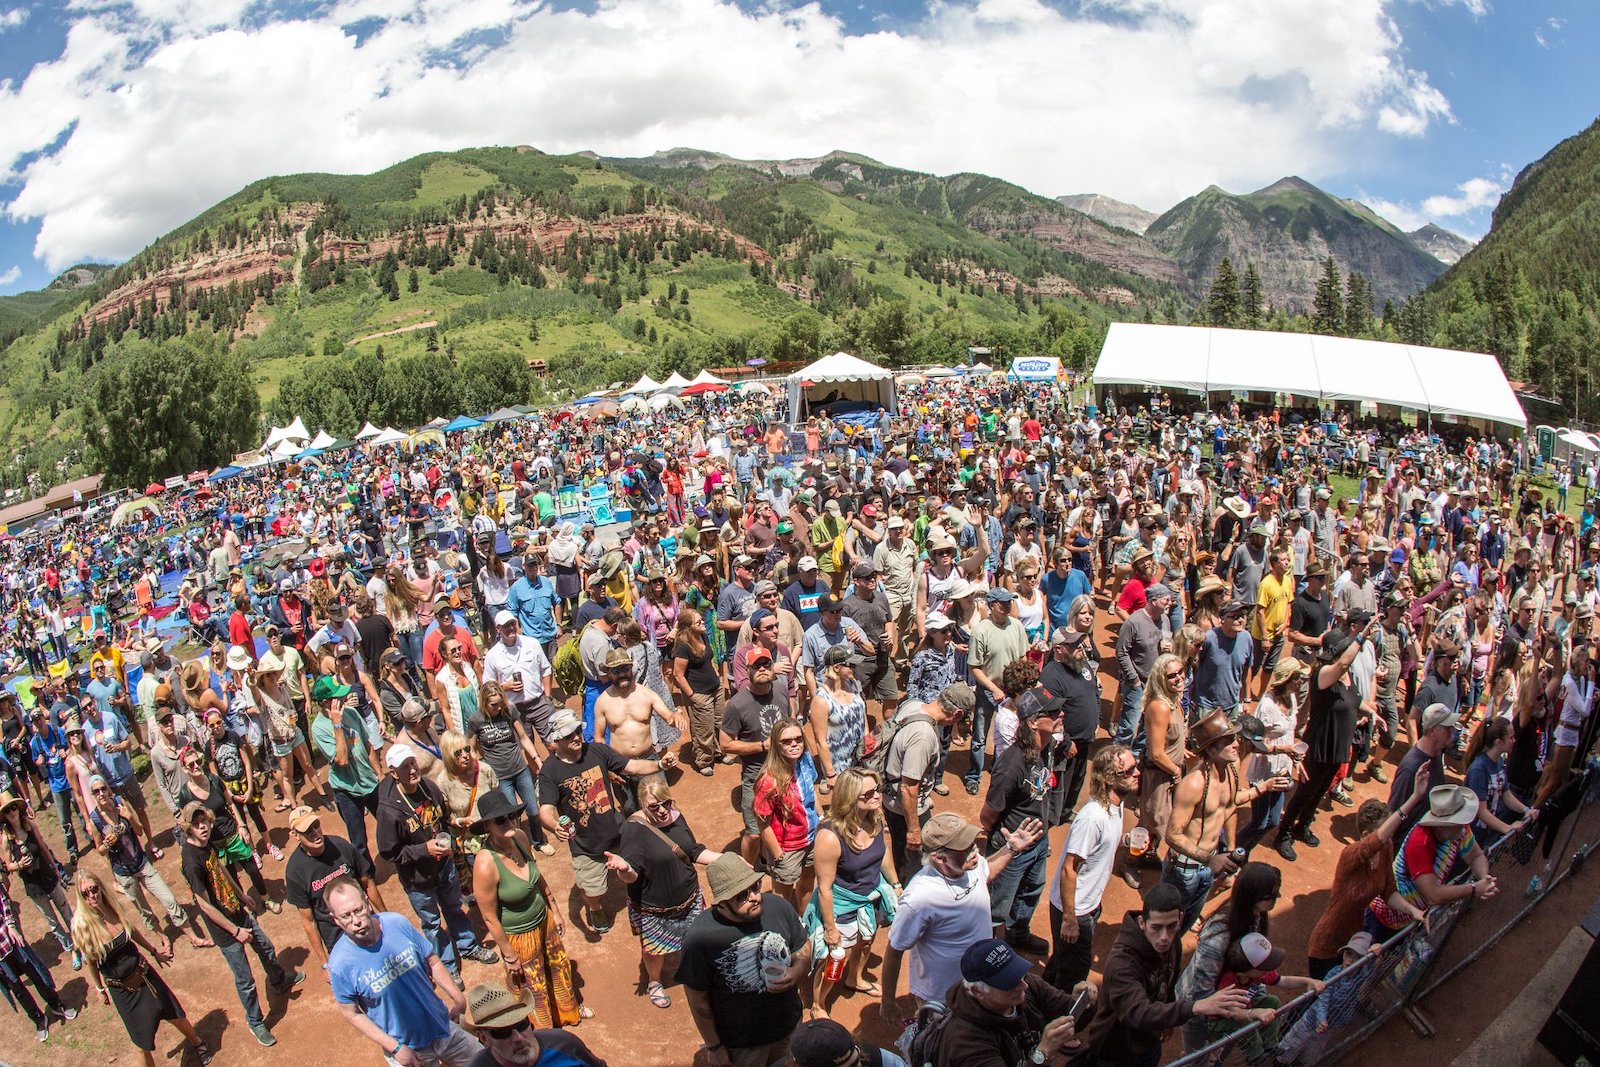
<point x="1450" y="805"/>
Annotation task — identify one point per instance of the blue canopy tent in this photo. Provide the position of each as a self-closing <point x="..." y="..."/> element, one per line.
<point x="461" y="422"/>
<point x="222" y="474"/>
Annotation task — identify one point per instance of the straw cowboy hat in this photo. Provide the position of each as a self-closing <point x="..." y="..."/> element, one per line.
<point x="1450" y="805"/>
<point x="1237" y="505"/>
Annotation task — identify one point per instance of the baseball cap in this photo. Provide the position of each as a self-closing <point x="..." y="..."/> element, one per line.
<point x="785" y="526"/>
<point x="1439" y="715"/>
<point x="1157" y="591"/>
<point x="1360" y="943"/>
<point x="1069" y="638"/>
<point x="826" y="602"/>
<point x="502" y="617"/>
<point x="806" y="563"/>
<point x="326" y="688"/>
<point x="842" y="654"/>
<point x="1233" y="607"/>
<point x="947" y="830"/>
<point x="863" y="570"/>
<point x="1037" y="701"/>
<point x="821" y="1043"/>
<point x="1261" y="954"/>
<point x="397" y="755"/>
<point x="896" y="523"/>
<point x="302" y="819"/>
<point x="996" y="964"/>
<point x="937" y="620"/>
<point x="959" y="696"/>
<point x="561" y="724"/>
<point x="999" y="595"/>
<point x="756" y="654"/>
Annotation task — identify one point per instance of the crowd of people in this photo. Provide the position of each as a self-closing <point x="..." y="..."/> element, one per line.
<point x="1168" y="633"/>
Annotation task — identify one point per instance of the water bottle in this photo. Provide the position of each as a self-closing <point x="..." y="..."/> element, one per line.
<point x="835" y="969"/>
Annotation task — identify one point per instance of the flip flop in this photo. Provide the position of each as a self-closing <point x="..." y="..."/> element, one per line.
<point x="871" y="989"/>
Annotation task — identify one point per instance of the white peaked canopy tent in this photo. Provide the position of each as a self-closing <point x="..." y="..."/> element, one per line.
<point x="674" y="383"/>
<point x="367" y="430"/>
<point x="285" y="450"/>
<point x="390" y="436"/>
<point x="323" y="439"/>
<point x="645" y="384"/>
<point x="840" y="376"/>
<point x="1433" y="381"/>
<point x="705" y="377"/>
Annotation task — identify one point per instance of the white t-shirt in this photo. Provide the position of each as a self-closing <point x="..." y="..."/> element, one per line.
<point x="936" y="920"/>
<point x="1096" y="832"/>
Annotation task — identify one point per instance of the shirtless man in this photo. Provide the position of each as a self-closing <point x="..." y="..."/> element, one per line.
<point x="416" y="730"/>
<point x="1202" y="811"/>
<point x="626" y="706"/>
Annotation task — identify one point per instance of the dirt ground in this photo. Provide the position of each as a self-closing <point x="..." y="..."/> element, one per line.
<point x="626" y="1028"/>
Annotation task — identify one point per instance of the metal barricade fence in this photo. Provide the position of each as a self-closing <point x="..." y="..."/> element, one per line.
<point x="1314" y="1028"/>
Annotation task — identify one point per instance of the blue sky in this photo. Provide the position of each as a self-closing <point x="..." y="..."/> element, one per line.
<point x="119" y="119"/>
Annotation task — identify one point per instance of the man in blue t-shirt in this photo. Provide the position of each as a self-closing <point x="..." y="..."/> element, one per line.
<point x="532" y="599"/>
<point x="391" y="985"/>
<point x="1062" y="584"/>
<point x="1224" y="656"/>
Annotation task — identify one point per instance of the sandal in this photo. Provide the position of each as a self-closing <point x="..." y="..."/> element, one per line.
<point x="282" y="805"/>
<point x="657" y="994"/>
<point x="585" y="1012"/>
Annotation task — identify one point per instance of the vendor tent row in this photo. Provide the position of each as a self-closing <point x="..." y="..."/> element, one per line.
<point x="1434" y="381"/>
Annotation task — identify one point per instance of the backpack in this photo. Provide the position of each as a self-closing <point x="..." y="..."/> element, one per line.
<point x="920" y="1041"/>
<point x="567" y="665"/>
<point x="875" y="756"/>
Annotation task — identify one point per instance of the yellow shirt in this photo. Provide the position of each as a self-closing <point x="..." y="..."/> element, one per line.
<point x="1273" y="598"/>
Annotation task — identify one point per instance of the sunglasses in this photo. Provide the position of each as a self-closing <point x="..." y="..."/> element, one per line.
<point x="868" y="794"/>
<point x="791" y="740"/>
<point x="500" y="1033"/>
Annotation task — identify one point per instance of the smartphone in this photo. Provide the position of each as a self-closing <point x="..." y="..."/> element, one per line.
<point x="1080" y="1004"/>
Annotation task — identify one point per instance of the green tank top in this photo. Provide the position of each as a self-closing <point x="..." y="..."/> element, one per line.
<point x="521" y="904"/>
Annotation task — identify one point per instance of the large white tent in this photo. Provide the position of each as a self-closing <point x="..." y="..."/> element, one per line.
<point x="705" y="377"/>
<point x="645" y="385"/>
<point x="675" y="383"/>
<point x="1434" y="381"/>
<point x="840" y="376"/>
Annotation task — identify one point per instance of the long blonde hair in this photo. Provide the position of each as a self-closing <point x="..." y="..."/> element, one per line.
<point x="90" y="932"/>
<point x="1157" y="688"/>
<point x="844" y="813"/>
<point x="451" y="745"/>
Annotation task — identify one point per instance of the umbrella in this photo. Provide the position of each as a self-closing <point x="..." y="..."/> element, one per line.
<point x="704" y="387"/>
<point x="426" y="437"/>
<point x="662" y="401"/>
<point x="634" y="404"/>
<point x="154" y="489"/>
<point x="138" y="506"/>
<point x="757" y="362"/>
<point x="559" y="417"/>
<point x="912" y="379"/>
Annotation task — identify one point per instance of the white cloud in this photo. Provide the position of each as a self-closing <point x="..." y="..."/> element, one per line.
<point x="13" y="18"/>
<point x="9" y="276"/>
<point x="156" y="109"/>
<point x="1466" y="210"/>
<point x="1551" y="27"/>
<point x="1472" y="195"/>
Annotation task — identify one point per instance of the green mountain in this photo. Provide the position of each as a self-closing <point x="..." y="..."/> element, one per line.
<point x="21" y="310"/>
<point x="1108" y="263"/>
<point x="1288" y="230"/>
<point x="463" y="281"/>
<point x="1530" y="290"/>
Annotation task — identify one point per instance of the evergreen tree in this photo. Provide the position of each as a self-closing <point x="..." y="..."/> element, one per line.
<point x="1357" y="305"/>
<point x="1222" y="306"/>
<point x="1250" y="298"/>
<point x="1327" y="308"/>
